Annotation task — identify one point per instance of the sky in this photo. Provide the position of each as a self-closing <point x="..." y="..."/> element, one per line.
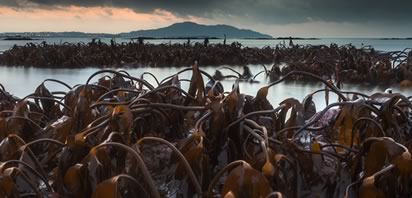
<point x="303" y="18"/>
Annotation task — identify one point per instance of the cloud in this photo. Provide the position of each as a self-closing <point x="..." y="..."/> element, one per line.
<point x="12" y="3"/>
<point x="109" y="12"/>
<point x="83" y="19"/>
<point x="264" y="11"/>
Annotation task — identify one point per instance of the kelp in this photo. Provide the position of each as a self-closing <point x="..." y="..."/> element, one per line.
<point x="123" y="137"/>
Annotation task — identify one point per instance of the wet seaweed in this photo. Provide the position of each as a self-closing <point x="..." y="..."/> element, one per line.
<point x="124" y="137"/>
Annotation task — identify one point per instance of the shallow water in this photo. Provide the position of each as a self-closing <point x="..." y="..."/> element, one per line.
<point x="22" y="81"/>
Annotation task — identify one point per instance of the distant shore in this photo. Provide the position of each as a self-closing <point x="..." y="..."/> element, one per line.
<point x="19" y="38"/>
<point x="395" y="38"/>
<point x="173" y="38"/>
<point x="214" y="38"/>
<point x="283" y="38"/>
<point x="45" y="37"/>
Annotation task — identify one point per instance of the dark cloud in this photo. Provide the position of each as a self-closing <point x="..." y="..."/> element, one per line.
<point x="265" y="11"/>
<point x="12" y="3"/>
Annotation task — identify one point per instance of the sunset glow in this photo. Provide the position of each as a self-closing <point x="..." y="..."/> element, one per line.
<point x="320" y="18"/>
<point x="94" y="19"/>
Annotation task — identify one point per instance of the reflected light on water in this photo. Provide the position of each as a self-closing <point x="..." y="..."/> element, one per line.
<point x="21" y="81"/>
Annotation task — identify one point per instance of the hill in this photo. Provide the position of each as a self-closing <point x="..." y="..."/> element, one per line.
<point x="194" y="30"/>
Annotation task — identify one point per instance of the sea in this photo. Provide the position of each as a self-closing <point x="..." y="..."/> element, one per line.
<point x="21" y="81"/>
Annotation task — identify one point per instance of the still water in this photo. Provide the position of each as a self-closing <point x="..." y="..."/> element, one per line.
<point x="22" y="81"/>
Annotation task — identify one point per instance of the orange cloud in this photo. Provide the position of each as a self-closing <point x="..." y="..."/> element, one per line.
<point x="94" y="19"/>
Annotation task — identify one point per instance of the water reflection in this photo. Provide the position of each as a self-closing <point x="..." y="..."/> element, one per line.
<point x="22" y="81"/>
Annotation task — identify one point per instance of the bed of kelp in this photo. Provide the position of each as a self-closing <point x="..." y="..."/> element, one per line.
<point x="133" y="54"/>
<point x="344" y="63"/>
<point x="124" y="137"/>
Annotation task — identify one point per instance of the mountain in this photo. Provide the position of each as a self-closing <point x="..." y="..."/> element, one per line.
<point x="190" y="29"/>
<point x="177" y="30"/>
